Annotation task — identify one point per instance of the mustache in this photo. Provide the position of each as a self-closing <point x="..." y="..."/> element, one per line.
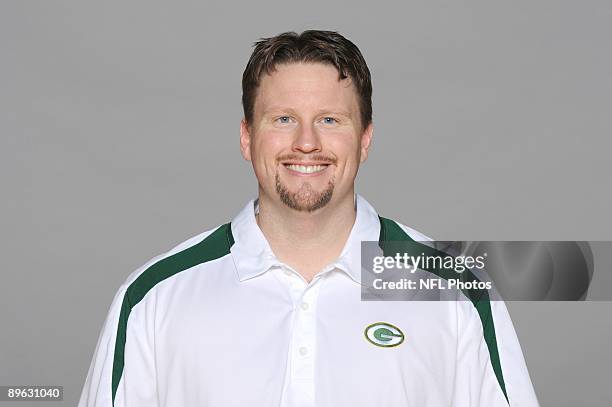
<point x="314" y="157"/>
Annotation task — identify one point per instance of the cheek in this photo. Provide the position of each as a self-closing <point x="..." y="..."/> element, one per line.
<point x="269" y="141"/>
<point x="346" y="148"/>
<point x="266" y="148"/>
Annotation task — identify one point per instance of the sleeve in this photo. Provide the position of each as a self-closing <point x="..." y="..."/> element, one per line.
<point x="490" y="369"/>
<point x="122" y="371"/>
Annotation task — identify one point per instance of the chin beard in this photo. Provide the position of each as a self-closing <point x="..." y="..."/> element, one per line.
<point x="305" y="199"/>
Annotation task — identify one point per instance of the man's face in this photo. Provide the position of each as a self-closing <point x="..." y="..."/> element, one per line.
<point x="306" y="141"/>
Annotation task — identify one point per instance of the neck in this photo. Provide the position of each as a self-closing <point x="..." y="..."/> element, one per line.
<point x="305" y="241"/>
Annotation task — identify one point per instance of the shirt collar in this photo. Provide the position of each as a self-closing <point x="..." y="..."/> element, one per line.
<point x="253" y="256"/>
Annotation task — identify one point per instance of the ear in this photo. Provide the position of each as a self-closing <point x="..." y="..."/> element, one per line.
<point x="366" y="139"/>
<point x="245" y="140"/>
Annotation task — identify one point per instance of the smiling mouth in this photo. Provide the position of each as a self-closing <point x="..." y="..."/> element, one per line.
<point x="306" y="169"/>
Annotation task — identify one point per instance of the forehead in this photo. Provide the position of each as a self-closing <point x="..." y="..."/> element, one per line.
<point x="305" y="85"/>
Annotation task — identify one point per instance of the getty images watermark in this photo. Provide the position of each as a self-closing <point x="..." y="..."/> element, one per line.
<point x="507" y="270"/>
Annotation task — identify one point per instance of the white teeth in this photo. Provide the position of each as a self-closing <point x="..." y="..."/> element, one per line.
<point x="306" y="169"/>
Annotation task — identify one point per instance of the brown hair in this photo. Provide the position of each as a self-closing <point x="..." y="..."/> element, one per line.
<point x="326" y="47"/>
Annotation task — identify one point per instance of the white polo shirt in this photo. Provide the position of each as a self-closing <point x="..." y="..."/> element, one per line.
<point x="220" y="321"/>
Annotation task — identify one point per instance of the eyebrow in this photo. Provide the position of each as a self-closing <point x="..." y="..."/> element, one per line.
<point x="275" y="109"/>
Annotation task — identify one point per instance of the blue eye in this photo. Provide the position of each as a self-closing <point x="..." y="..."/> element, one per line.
<point x="284" y="119"/>
<point x="329" y="120"/>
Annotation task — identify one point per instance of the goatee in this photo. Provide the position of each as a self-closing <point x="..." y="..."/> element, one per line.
<point x="305" y="199"/>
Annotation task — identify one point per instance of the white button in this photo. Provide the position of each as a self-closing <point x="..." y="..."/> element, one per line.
<point x="304" y="306"/>
<point x="303" y="350"/>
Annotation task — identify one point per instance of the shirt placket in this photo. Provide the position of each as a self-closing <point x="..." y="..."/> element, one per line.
<point x="302" y="353"/>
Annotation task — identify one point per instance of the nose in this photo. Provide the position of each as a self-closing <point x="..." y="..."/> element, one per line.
<point x="307" y="140"/>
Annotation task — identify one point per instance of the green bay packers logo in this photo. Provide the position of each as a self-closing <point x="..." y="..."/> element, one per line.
<point x="384" y="334"/>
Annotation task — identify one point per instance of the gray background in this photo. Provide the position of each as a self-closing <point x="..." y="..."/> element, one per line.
<point x="119" y="126"/>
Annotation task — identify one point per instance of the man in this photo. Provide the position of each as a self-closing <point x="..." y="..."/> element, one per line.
<point x="266" y="310"/>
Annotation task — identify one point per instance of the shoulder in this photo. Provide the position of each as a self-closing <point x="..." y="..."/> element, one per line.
<point x="414" y="234"/>
<point x="394" y="230"/>
<point x="202" y="248"/>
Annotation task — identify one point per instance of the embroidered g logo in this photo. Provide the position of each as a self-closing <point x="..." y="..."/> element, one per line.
<point x="384" y="334"/>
